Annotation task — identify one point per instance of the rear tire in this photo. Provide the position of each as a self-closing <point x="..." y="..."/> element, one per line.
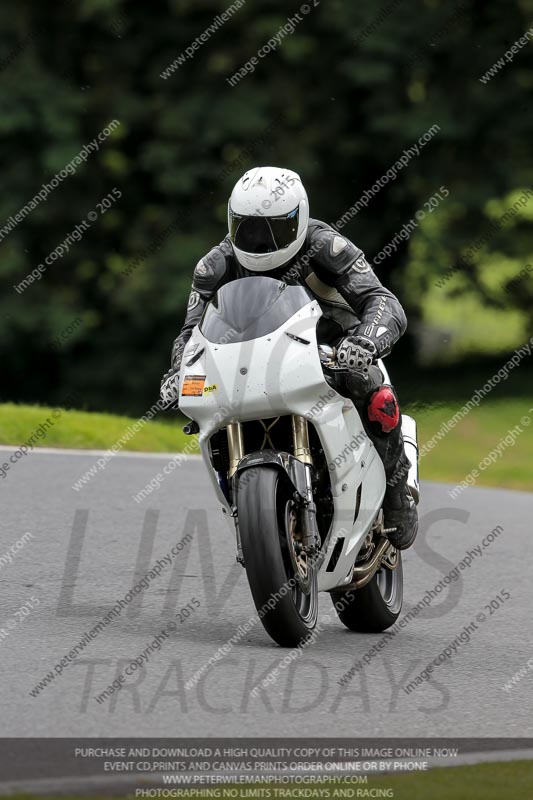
<point x="376" y="606"/>
<point x="264" y="501"/>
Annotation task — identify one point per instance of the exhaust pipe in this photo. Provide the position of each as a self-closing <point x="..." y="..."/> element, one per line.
<point x="363" y="573"/>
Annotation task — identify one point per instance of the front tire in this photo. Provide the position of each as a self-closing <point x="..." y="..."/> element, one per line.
<point x="376" y="606"/>
<point x="266" y="522"/>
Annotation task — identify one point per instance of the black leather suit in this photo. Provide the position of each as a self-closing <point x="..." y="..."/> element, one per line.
<point x="352" y="299"/>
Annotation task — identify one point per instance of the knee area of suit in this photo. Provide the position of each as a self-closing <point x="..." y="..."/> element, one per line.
<point x="383" y="409"/>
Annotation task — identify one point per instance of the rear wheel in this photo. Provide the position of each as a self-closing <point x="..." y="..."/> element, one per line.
<point x="282" y="580"/>
<point x="377" y="605"/>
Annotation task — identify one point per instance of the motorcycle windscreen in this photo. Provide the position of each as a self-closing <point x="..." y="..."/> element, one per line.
<point x="249" y="308"/>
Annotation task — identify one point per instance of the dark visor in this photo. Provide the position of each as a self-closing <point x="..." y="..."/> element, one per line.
<point x="263" y="234"/>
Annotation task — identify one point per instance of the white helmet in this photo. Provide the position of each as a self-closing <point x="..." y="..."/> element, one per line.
<point x="268" y="217"/>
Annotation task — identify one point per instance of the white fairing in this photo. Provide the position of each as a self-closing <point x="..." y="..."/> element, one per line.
<point x="410" y="442"/>
<point x="277" y="375"/>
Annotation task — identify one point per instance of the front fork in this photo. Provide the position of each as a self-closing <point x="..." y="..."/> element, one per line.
<point x="235" y="447"/>
<point x="303" y="493"/>
<point x="302" y="451"/>
<point x="236" y="454"/>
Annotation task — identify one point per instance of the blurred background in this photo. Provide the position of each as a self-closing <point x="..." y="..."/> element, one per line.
<point x="339" y="100"/>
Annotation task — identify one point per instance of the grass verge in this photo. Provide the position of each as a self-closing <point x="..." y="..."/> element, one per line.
<point x="481" y="432"/>
<point x="88" y="430"/>
<point x="451" y="460"/>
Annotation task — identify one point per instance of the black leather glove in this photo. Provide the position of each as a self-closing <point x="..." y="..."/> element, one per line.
<point x="170" y="390"/>
<point x="355" y="356"/>
<point x="378" y="337"/>
<point x="357" y="353"/>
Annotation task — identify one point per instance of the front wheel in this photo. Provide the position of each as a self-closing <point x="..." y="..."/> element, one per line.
<point x="282" y="580"/>
<point x="376" y="606"/>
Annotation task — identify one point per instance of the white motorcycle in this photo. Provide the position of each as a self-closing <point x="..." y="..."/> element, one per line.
<point x="298" y="478"/>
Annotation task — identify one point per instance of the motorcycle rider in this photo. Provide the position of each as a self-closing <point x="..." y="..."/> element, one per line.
<point x="271" y="233"/>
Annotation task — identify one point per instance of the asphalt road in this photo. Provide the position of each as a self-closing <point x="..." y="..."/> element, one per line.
<point x="89" y="547"/>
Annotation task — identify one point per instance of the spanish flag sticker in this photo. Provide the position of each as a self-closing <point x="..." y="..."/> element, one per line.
<point x="193" y="385"/>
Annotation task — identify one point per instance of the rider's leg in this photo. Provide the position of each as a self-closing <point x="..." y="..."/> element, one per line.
<point x="380" y="414"/>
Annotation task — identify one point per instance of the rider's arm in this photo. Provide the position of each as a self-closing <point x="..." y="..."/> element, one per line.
<point x="342" y="265"/>
<point x="209" y="274"/>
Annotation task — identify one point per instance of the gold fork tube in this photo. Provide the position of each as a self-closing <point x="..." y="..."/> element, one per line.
<point x="300" y="437"/>
<point x="235" y="446"/>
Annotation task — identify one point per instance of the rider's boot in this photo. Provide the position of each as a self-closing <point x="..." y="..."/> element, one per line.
<point x="399" y="507"/>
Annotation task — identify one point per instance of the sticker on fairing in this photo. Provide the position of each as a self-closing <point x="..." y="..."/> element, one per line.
<point x="211" y="389"/>
<point x="193" y="385"/>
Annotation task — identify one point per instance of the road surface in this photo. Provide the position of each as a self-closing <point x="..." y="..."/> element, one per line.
<point x="86" y="549"/>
